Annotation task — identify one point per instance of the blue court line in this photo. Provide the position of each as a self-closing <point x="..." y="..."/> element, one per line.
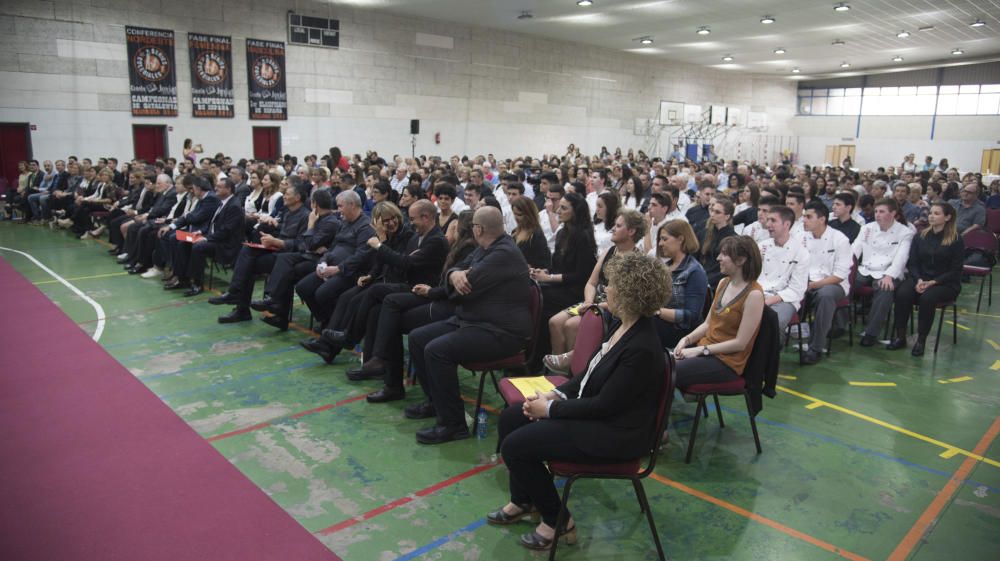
<point x="217" y="385"/>
<point x="441" y="541"/>
<point x="856" y="448"/>
<point x="221" y="364"/>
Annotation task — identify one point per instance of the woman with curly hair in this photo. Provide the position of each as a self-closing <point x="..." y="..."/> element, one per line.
<point x="602" y="416"/>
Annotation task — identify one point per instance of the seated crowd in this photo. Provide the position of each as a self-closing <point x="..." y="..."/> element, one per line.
<point x="680" y="256"/>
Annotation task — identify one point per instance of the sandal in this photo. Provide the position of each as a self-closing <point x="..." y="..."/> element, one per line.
<point x="500" y="517"/>
<point x="538" y="543"/>
<point x="558" y="364"/>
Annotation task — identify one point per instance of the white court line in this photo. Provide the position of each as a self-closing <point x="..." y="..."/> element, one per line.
<point x="97" y="307"/>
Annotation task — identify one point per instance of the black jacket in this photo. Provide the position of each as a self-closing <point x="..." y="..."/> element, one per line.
<point x="614" y="416"/>
<point x="500" y="289"/>
<point x="761" y="371"/>
<point x="198" y="219"/>
<point x="163" y="204"/>
<point x="293" y="225"/>
<point x="416" y="264"/>
<point x="929" y="260"/>
<point x="536" y="251"/>
<point x="226" y="229"/>
<point x="319" y="236"/>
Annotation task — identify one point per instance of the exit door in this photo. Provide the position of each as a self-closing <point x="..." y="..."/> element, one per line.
<point x="15" y="146"/>
<point x="149" y="142"/>
<point x="266" y="143"/>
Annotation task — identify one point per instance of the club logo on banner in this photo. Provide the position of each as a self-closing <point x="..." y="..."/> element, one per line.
<point x="152" y="80"/>
<point x="266" y="80"/>
<point x="211" y="75"/>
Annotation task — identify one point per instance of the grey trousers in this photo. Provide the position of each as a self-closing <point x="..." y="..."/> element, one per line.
<point x="881" y="303"/>
<point x="823" y="303"/>
<point x="785" y="312"/>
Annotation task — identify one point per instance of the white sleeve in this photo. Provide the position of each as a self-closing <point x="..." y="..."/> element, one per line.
<point x="902" y="255"/>
<point x="798" y="280"/>
<point x="843" y="259"/>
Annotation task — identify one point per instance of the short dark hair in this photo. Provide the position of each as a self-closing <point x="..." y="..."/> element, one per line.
<point x="819" y="208"/>
<point x="446" y="189"/>
<point x="769" y="200"/>
<point x="518" y="186"/>
<point x="797" y="195"/>
<point x="303" y="192"/>
<point x="550" y="177"/>
<point x="846" y="198"/>
<point x="322" y="198"/>
<point x="784" y="213"/>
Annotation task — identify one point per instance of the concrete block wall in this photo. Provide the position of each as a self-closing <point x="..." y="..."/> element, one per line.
<point x="63" y="69"/>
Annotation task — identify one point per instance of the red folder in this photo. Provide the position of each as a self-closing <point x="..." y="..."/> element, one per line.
<point x="189" y="237"/>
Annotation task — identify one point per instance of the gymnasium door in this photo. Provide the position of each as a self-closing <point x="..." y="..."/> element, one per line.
<point x="836" y="153"/>
<point x="149" y="142"/>
<point x="15" y="146"/>
<point x="991" y="162"/>
<point x="267" y="143"/>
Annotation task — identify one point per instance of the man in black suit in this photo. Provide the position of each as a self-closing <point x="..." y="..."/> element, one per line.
<point x="492" y="321"/>
<point x="419" y="262"/>
<point x="252" y="260"/>
<point x="164" y="200"/>
<point x="197" y="220"/>
<point x="222" y="237"/>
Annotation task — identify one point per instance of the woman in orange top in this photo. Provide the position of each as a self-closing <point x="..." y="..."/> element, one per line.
<point x="718" y="349"/>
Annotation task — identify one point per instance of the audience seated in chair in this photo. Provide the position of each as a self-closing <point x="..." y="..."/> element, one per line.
<point x="830" y="263"/>
<point x="883" y="247"/>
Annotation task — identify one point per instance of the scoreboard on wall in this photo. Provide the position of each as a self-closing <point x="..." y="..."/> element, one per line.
<point x="313" y="32"/>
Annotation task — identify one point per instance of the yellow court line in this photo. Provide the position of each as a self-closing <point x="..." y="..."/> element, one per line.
<point x="787" y="377"/>
<point x="958" y="325"/>
<point x="83" y="278"/>
<point x="996" y="347"/>
<point x="967" y="312"/>
<point x="955" y="380"/>
<point x="996" y="365"/>
<point x="947" y="447"/>
<point x="873" y="384"/>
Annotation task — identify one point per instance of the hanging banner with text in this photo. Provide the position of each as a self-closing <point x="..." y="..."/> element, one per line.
<point x="266" y="80"/>
<point x="211" y="75"/>
<point x="151" y="72"/>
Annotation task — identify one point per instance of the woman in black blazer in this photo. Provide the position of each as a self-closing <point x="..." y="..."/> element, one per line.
<point x="605" y="415"/>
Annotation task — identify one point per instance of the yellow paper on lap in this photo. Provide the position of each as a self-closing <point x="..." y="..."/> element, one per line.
<point x="529" y="385"/>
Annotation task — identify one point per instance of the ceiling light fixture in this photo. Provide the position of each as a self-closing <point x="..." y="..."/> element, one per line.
<point x="584" y="3"/>
<point x="841" y="7"/>
<point x="646" y="40"/>
<point x="903" y="34"/>
<point x="897" y="58"/>
<point x="796" y="70"/>
<point x="958" y="52"/>
<point x="978" y="23"/>
<point x="703" y="30"/>
<point x="926" y="28"/>
<point x="727" y="58"/>
<point x="767" y="19"/>
<point x="845" y="65"/>
<point x="525" y="14"/>
<point x="779" y="51"/>
<point x="838" y="43"/>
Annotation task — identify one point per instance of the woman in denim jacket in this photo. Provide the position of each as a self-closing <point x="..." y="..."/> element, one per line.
<point x="677" y="246"/>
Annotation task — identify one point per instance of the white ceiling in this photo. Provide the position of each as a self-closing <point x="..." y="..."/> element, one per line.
<point x="804" y="28"/>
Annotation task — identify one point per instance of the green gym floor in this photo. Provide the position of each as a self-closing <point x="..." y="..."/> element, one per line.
<point x="869" y="455"/>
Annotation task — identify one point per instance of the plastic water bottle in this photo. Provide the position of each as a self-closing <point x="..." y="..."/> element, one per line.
<point x="481" y="423"/>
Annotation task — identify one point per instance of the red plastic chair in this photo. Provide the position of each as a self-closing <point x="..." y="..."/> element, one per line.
<point x="631" y="470"/>
<point x="986" y="242"/>
<point x="589" y="337"/>
<point x="519" y="360"/>
<point x="993" y="221"/>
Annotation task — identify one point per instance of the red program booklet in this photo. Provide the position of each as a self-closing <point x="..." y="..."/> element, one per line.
<point x="189" y="237"/>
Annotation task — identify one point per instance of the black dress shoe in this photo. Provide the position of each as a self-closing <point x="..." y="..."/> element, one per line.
<point x="224" y="298"/>
<point x="193" y="291"/>
<point x="386" y="394"/>
<point x="320" y="347"/>
<point x="868" y="341"/>
<point x="334" y="337"/>
<point x="423" y="410"/>
<point x="536" y="542"/>
<point x="439" y="434"/>
<point x="265" y="305"/>
<point x="236" y="316"/>
<point x="810" y="357"/>
<point x="277" y="320"/>
<point x="366" y="373"/>
<point x="136" y="270"/>
<point x="918" y="348"/>
<point x="500" y="518"/>
<point x="896" y="344"/>
<point x="173" y="284"/>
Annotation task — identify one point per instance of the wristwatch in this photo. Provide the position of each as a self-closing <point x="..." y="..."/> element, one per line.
<point x="705" y="351"/>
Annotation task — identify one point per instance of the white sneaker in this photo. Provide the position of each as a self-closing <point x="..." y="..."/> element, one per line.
<point x="85" y="236"/>
<point x="122" y="257"/>
<point x="152" y="273"/>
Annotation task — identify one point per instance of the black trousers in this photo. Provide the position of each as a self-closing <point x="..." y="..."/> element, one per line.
<point x="702" y="370"/>
<point x="250" y="262"/>
<point x="436" y="351"/>
<point x="321" y="294"/>
<point x="114" y="229"/>
<point x="288" y="269"/>
<point x="356" y="306"/>
<point x="526" y="446"/>
<point x="400" y="314"/>
<point x="81" y="216"/>
<point x="166" y="246"/>
<point x="907" y="297"/>
<point x="200" y="252"/>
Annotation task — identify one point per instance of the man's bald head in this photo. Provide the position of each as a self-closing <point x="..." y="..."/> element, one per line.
<point x="490" y="220"/>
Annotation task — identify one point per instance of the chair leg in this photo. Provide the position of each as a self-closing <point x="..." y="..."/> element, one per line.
<point x="718" y="410"/>
<point x="937" y="340"/>
<point x="753" y="422"/>
<point x="982" y="283"/>
<point x="694" y="428"/>
<point x="637" y="485"/>
<point x="496" y="385"/>
<point x="562" y="519"/>
<point x="479" y="402"/>
<point x="954" y="324"/>
<point x="641" y="492"/>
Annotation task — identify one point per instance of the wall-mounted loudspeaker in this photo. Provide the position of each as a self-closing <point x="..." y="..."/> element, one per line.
<point x="414" y="126"/>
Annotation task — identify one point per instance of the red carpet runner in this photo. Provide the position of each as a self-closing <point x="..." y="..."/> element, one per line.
<point x="93" y="466"/>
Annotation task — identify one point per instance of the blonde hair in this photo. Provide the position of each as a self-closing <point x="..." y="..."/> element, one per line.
<point x="642" y="284"/>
